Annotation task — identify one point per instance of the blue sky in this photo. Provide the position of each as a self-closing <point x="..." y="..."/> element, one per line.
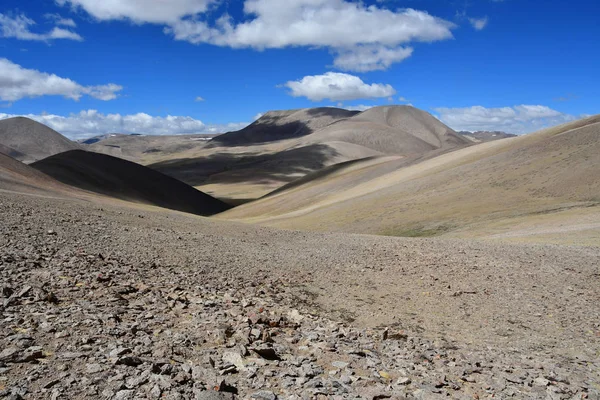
<point x="86" y="67"/>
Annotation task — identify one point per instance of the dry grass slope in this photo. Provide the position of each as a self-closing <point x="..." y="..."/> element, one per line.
<point x="283" y="146"/>
<point x="547" y="183"/>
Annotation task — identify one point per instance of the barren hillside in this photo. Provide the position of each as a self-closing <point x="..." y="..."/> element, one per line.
<point x="32" y="141"/>
<point x="125" y="180"/>
<point x="547" y="179"/>
<point x="283" y="146"/>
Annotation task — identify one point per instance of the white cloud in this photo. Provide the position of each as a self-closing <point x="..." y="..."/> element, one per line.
<point x="258" y="116"/>
<point x="361" y="37"/>
<point x="479" y="23"/>
<point x="199" y="98"/>
<point x="337" y="86"/>
<point x="58" y="20"/>
<point x="360" y="107"/>
<point x="17" y="83"/>
<point x="370" y="58"/>
<point x="91" y="122"/>
<point x="140" y="11"/>
<point x="516" y="119"/>
<point x="18" y="27"/>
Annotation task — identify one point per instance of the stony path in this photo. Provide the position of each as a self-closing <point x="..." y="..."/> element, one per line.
<point x="92" y="307"/>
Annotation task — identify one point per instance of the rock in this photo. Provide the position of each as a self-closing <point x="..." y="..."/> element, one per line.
<point x="10" y="354"/>
<point x="541" y="382"/>
<point x="339" y="364"/>
<point x="124" y="395"/>
<point x="228" y="369"/>
<point x="120" y="351"/>
<point x="32" y="353"/>
<point x="234" y="359"/>
<point x="268" y="353"/>
<point x="403" y="381"/>
<point x="51" y="383"/>
<point x="130" y="361"/>
<point x="94" y="368"/>
<point x="295" y="316"/>
<point x="212" y="395"/>
<point x="264" y="395"/>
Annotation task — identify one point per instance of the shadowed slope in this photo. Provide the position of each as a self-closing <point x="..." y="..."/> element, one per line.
<point x="466" y="191"/>
<point x="280" y="125"/>
<point x="8" y="151"/>
<point x="127" y="181"/>
<point x="31" y="140"/>
<point x="285" y="145"/>
<point x="19" y="177"/>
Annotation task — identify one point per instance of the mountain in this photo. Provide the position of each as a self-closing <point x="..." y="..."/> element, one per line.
<point x="128" y="181"/>
<point x="283" y="146"/>
<point x="541" y="183"/>
<point x="403" y="130"/>
<point x="485" y="136"/>
<point x="283" y="124"/>
<point x="99" y="138"/>
<point x="11" y="152"/>
<point x="144" y="149"/>
<point x="31" y="140"/>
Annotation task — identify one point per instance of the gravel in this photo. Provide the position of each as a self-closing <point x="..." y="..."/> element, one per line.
<point x="134" y="303"/>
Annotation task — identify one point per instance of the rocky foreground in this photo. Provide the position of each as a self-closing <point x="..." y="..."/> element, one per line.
<point x="78" y="323"/>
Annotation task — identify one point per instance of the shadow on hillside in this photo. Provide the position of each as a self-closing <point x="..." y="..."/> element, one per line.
<point x="269" y="129"/>
<point x="264" y="130"/>
<point x="229" y="168"/>
<point x="332" y="112"/>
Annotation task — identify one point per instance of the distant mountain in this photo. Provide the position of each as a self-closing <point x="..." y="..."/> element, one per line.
<point x="136" y="147"/>
<point x="485" y="136"/>
<point x="399" y="130"/>
<point x="547" y="177"/>
<point x="281" y="125"/>
<point x="29" y="141"/>
<point x="99" y="138"/>
<point x="282" y="146"/>
<point x="128" y="181"/>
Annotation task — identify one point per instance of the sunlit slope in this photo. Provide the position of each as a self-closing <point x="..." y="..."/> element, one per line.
<point x="393" y="130"/>
<point x="19" y="177"/>
<point x="283" y="146"/>
<point x="28" y="141"/>
<point x="460" y="193"/>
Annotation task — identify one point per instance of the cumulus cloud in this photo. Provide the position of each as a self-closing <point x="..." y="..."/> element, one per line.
<point x="361" y="37"/>
<point x="91" y="122"/>
<point x="479" y="23"/>
<point x="152" y="11"/>
<point x="359" y="107"/>
<point x="19" y="27"/>
<point x="370" y="58"/>
<point x="199" y="98"/>
<point x="516" y="119"/>
<point x="337" y="86"/>
<point x="17" y="83"/>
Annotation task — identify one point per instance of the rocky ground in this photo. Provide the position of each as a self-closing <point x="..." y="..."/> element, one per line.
<point x="122" y="303"/>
